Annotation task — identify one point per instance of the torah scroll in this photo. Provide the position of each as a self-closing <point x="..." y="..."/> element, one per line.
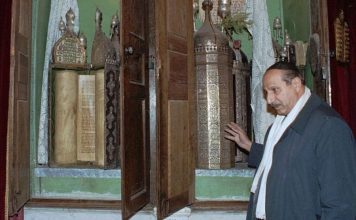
<point x="65" y="142"/>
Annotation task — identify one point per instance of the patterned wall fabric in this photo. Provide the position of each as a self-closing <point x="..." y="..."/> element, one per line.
<point x="263" y="57"/>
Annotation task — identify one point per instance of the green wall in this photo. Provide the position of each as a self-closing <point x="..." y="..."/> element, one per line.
<point x="297" y="19"/>
<point x="79" y="188"/>
<point x="222" y="188"/>
<point x="87" y="9"/>
<point x="297" y="22"/>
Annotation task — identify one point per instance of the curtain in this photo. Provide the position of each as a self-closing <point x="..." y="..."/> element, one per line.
<point x="263" y="57"/>
<point x="58" y="10"/>
<point x="351" y="18"/>
<point x="343" y="76"/>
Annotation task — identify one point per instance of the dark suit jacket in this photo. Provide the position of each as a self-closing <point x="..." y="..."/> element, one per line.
<point x="313" y="173"/>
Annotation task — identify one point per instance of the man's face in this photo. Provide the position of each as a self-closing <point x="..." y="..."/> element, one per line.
<point x="280" y="95"/>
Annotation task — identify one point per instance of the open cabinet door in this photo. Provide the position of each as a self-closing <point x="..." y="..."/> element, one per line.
<point x="320" y="38"/>
<point x="18" y="142"/>
<point x="176" y="105"/>
<point x="134" y="107"/>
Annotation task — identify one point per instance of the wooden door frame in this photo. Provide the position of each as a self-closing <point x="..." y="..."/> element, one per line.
<point x="18" y="131"/>
<point x="319" y="25"/>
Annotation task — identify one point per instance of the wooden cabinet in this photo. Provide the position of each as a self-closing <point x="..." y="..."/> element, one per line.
<point x="173" y="154"/>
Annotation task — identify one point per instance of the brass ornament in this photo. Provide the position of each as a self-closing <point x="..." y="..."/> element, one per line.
<point x="102" y="45"/>
<point x="342" y="39"/>
<point x="115" y="36"/>
<point x="69" y="50"/>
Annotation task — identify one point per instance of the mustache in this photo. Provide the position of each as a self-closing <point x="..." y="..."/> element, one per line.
<point x="275" y="105"/>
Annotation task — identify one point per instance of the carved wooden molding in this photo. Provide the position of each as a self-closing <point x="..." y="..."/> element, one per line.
<point x="74" y="203"/>
<point x="220" y="205"/>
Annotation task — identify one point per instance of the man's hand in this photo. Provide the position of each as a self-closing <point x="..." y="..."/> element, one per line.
<point x="235" y="133"/>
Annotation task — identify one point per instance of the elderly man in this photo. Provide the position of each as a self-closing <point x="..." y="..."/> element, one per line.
<point x="307" y="165"/>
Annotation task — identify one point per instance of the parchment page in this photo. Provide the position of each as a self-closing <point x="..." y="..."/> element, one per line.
<point x="86" y="118"/>
<point x="65" y="95"/>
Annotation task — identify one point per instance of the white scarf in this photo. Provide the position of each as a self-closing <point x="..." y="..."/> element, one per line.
<point x="278" y="128"/>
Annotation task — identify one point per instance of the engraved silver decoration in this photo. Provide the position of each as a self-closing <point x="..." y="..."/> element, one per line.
<point x="213" y="57"/>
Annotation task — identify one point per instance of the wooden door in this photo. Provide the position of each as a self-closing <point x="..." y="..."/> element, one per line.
<point x="18" y="141"/>
<point x="135" y="107"/>
<point x="176" y="122"/>
<point x="320" y="29"/>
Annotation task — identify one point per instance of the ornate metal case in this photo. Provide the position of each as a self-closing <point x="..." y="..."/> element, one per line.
<point x="213" y="57"/>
